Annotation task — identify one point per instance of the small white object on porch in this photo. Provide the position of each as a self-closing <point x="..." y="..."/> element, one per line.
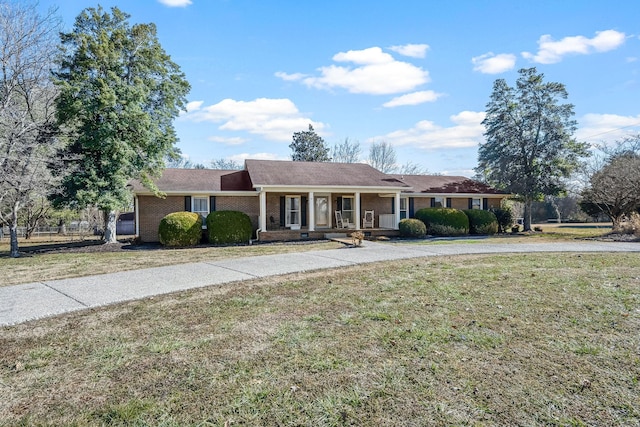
<point x="341" y="222"/>
<point x="387" y="221"/>
<point x="368" y="219"/>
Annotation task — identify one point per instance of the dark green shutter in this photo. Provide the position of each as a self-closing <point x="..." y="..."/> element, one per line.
<point x="411" y="207"/>
<point x="433" y="202"/>
<point x="212" y="203"/>
<point x="485" y="204"/>
<point x="303" y="209"/>
<point x="187" y="203"/>
<point x="393" y="205"/>
<point x="470" y="203"/>
<point x="282" y="211"/>
<point x="448" y="202"/>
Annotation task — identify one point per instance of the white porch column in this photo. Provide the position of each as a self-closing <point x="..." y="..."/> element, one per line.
<point x="357" y="197"/>
<point x="263" y="210"/>
<point x="397" y="211"/>
<point x="311" y="212"/>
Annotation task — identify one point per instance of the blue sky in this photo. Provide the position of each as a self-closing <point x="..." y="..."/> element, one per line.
<point x="416" y="74"/>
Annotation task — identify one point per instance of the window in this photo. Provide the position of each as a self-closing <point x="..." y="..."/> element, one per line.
<point x="404" y="206"/>
<point x="439" y="202"/>
<point x="200" y="205"/>
<point x="476" y="203"/>
<point x="292" y="210"/>
<point x="347" y="209"/>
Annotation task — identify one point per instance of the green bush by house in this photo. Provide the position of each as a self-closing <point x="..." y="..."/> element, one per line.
<point x="225" y="227"/>
<point x="444" y="221"/>
<point x="411" y="227"/>
<point x="504" y="217"/>
<point x="180" y="229"/>
<point x="481" y="222"/>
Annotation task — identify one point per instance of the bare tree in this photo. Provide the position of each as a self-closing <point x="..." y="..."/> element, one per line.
<point x="224" y="164"/>
<point x="411" y="168"/>
<point x="346" y="152"/>
<point x="382" y="156"/>
<point x="28" y="142"/>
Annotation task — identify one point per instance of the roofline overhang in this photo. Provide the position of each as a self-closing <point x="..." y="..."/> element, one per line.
<point x="328" y="188"/>
<point x="455" y="194"/>
<point x="199" y="193"/>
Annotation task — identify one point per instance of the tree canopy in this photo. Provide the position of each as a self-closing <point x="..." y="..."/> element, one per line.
<point x="346" y="152"/>
<point x="308" y="146"/>
<point x="529" y="148"/>
<point x="382" y="156"/>
<point x="119" y="94"/>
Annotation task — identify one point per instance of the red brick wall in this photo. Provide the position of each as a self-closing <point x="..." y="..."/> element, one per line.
<point x="247" y="204"/>
<point x="151" y="210"/>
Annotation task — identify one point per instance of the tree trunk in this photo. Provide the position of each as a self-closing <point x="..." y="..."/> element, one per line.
<point x="62" y="228"/>
<point x="13" y="233"/>
<point x="528" y="203"/>
<point x="110" y="221"/>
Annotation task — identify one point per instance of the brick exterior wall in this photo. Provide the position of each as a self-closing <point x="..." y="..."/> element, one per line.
<point x="151" y="210"/>
<point x="247" y="204"/>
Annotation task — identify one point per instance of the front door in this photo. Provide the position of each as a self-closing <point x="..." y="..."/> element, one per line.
<point x="322" y="211"/>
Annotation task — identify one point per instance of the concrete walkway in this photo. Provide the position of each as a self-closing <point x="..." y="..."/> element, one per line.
<point x="30" y="301"/>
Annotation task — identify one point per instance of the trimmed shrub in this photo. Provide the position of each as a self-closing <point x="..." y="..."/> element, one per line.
<point x="444" y="221"/>
<point x="504" y="216"/>
<point x="481" y="222"/>
<point x="411" y="227"/>
<point x="226" y="227"/>
<point x="180" y="229"/>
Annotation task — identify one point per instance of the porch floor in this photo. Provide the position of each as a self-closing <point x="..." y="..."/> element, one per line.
<point x="305" y="234"/>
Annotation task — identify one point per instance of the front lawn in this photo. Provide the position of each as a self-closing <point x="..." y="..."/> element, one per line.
<point x="527" y="339"/>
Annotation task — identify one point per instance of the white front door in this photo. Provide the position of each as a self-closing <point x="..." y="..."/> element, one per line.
<point x="322" y="211"/>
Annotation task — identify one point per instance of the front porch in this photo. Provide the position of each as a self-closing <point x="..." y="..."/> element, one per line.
<point x="305" y="234"/>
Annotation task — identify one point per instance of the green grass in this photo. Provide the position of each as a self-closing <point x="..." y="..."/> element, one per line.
<point x="531" y="339"/>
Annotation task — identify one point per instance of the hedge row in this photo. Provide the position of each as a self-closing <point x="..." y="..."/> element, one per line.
<point x="454" y="222"/>
<point x="223" y="227"/>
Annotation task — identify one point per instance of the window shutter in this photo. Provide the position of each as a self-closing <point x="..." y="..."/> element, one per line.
<point x="303" y="209"/>
<point x="470" y="203"/>
<point x="187" y="203"/>
<point x="485" y="204"/>
<point x="411" y="207"/>
<point x="212" y="203"/>
<point x="448" y="202"/>
<point x="282" y="211"/>
<point x="433" y="202"/>
<point x="393" y="205"/>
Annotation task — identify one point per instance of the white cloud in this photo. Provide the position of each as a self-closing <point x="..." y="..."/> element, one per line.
<point x="194" y="106"/>
<point x="240" y="158"/>
<point x="550" y="51"/>
<point x="228" y="140"/>
<point x="606" y="128"/>
<point x="175" y="3"/>
<point x="412" y="50"/>
<point x="467" y="131"/>
<point x="273" y="119"/>
<point x="490" y="63"/>
<point x="375" y="73"/>
<point x="414" y="98"/>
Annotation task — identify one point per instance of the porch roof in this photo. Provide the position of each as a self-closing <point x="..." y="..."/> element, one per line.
<point x="274" y="173"/>
<point x="441" y="184"/>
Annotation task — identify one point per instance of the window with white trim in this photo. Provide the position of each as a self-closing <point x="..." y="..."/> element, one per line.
<point x="404" y="207"/>
<point x="439" y="202"/>
<point x="348" y="208"/>
<point x="200" y="205"/>
<point x="292" y="210"/>
<point x="476" y="203"/>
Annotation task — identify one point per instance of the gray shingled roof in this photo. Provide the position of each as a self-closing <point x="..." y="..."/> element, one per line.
<point x="440" y="184"/>
<point x="307" y="174"/>
<point x="186" y="180"/>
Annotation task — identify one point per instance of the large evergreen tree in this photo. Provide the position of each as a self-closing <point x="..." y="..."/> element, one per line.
<point x="119" y="94"/>
<point x="308" y="146"/>
<point x="529" y="148"/>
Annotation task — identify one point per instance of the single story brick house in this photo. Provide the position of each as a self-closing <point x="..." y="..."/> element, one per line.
<point x="289" y="200"/>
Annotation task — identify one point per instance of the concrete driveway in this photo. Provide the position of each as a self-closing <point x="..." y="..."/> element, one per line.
<point x="38" y="300"/>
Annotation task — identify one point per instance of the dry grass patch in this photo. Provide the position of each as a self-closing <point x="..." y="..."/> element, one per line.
<point x="532" y="339"/>
<point x="69" y="263"/>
